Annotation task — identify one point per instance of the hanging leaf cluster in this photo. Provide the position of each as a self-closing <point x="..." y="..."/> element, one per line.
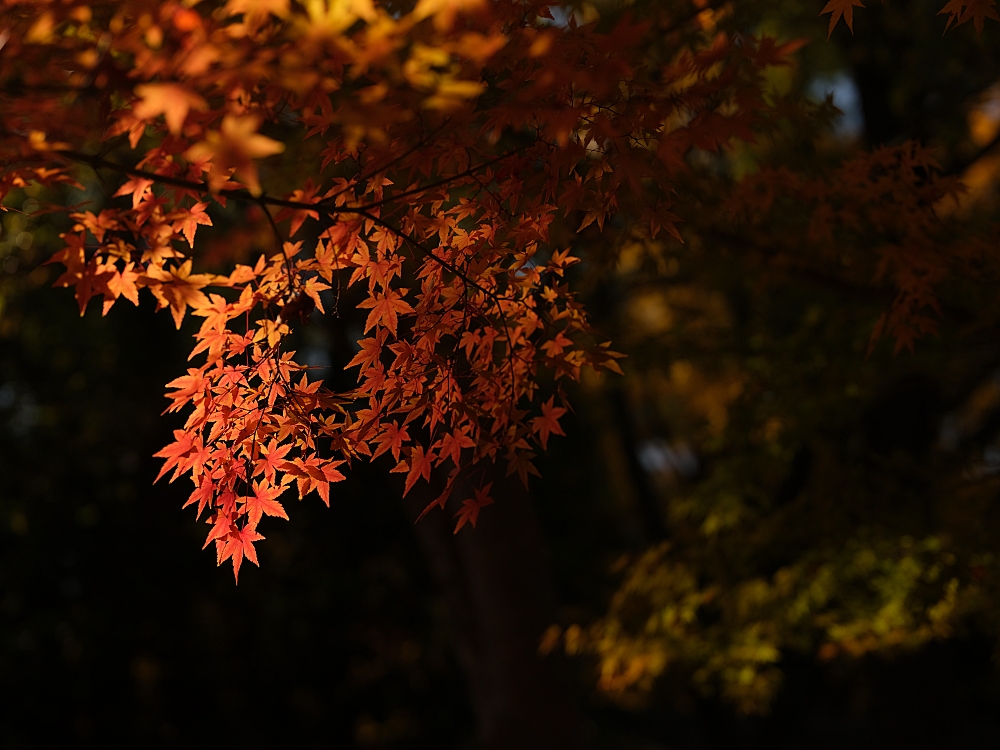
<point x="449" y="137"/>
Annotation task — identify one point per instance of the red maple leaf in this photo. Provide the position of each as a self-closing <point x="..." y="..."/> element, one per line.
<point x="452" y="443"/>
<point x="420" y="466"/>
<point x="838" y="8"/>
<point x="469" y="512"/>
<point x="963" y="11"/>
<point x="391" y="438"/>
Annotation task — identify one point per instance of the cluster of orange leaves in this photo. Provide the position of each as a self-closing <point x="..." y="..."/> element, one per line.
<point x="450" y="137"/>
<point x="958" y="12"/>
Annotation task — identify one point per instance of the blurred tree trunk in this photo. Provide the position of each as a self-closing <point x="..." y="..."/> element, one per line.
<point x="496" y="581"/>
<point x="874" y="50"/>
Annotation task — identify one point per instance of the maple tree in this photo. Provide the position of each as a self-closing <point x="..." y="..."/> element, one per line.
<point x="449" y="163"/>
<point x="429" y="177"/>
<point x="803" y="530"/>
<point x="430" y="188"/>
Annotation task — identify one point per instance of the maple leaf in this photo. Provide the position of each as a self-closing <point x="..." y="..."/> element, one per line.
<point x="469" y="512"/>
<point x="191" y="220"/>
<point x="273" y="458"/>
<point x="391" y="438"/>
<point x="420" y="466"/>
<point x="203" y="494"/>
<point x="237" y="545"/>
<point x="548" y="422"/>
<point x="262" y="502"/>
<point x="838" y="8"/>
<point x="441" y="500"/>
<point x="233" y="148"/>
<point x="71" y="256"/>
<point x="312" y="288"/>
<point x="215" y="342"/>
<point x="222" y="526"/>
<point x="452" y="443"/>
<point x="216" y="313"/>
<point x="181" y="447"/>
<point x="520" y="462"/>
<point x="97" y="225"/>
<point x="314" y="473"/>
<point x="271" y="332"/>
<point x="171" y="100"/>
<point x="137" y="187"/>
<point x="177" y="288"/>
<point x="555" y="347"/>
<point x="371" y="350"/>
<point x="963" y="11"/>
<point x="385" y="306"/>
<point x="323" y="475"/>
<point x="123" y="284"/>
<point x="298" y="216"/>
<point x="194" y="383"/>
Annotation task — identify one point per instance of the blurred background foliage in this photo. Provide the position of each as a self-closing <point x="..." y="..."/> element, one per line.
<point x="763" y="532"/>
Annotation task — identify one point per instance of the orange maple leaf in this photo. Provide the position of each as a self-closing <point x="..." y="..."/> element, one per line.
<point x="174" y="452"/>
<point x="420" y="466"/>
<point x="548" y="423"/>
<point x="840" y="8"/>
<point x="192" y="218"/>
<point x="137" y="187"/>
<point x="216" y="313"/>
<point x="177" y="288"/>
<point x="963" y="11"/>
<point x="262" y="502"/>
<point x="313" y="473"/>
<point x="171" y="100"/>
<point x="71" y="256"/>
<point x="371" y="349"/>
<point x="123" y="284"/>
<point x="238" y="545"/>
<point x="385" y="308"/>
<point x="469" y="512"/>
<point x="453" y="443"/>
<point x="274" y="456"/>
<point x="233" y="148"/>
<point x="323" y="473"/>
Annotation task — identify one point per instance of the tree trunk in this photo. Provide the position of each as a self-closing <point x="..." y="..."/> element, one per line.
<point x="496" y="582"/>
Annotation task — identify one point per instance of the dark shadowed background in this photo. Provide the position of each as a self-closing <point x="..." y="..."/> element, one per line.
<point x="363" y="630"/>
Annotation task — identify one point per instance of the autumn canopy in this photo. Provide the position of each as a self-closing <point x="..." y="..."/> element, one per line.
<point x="422" y="153"/>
